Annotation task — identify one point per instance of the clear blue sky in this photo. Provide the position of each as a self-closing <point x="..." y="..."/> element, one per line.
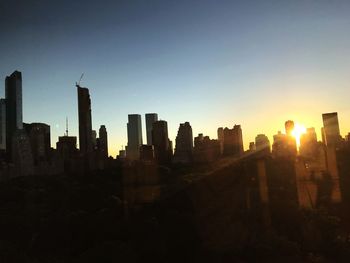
<point x="212" y="63"/>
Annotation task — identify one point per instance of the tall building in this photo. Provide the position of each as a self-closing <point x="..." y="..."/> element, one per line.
<point x="289" y="126"/>
<point x="102" y="142"/>
<point x="150" y="119"/>
<point x="221" y="139"/>
<point x="2" y="124"/>
<point x="205" y="150"/>
<point x="40" y="141"/>
<point x="85" y="127"/>
<point x="308" y="137"/>
<point x="283" y="146"/>
<point x="262" y="145"/>
<point x="331" y="129"/>
<point x="134" y="137"/>
<point x="94" y="139"/>
<point x="184" y="144"/>
<point x="233" y="141"/>
<point x="22" y="153"/>
<point x="14" y="122"/>
<point x="161" y="142"/>
<point x="67" y="150"/>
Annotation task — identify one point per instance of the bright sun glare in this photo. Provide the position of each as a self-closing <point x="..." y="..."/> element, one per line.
<point x="298" y="131"/>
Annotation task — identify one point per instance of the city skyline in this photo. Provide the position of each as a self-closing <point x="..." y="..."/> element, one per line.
<point x="256" y="64"/>
<point x="297" y="131"/>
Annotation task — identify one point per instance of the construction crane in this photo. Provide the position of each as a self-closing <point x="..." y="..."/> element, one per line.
<point x="78" y="83"/>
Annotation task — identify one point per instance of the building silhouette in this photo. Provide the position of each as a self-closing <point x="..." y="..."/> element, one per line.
<point x="67" y="151"/>
<point x="134" y="137"/>
<point x="221" y="139"/>
<point x="150" y="119"/>
<point x="233" y="141"/>
<point x="262" y="145"/>
<point x="284" y="146"/>
<point x="205" y="150"/>
<point x="308" y="143"/>
<point x="331" y="130"/>
<point x="161" y="142"/>
<point x="94" y="140"/>
<point x="2" y="124"/>
<point x="289" y="126"/>
<point x="103" y="142"/>
<point x="85" y="126"/>
<point x="147" y="153"/>
<point x="184" y="144"/>
<point x="14" y="121"/>
<point x="22" y="153"/>
<point x="40" y="141"/>
<point x="252" y="147"/>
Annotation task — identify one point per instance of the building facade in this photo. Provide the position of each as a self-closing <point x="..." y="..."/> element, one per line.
<point x="2" y="124"/>
<point x="331" y="129"/>
<point x="85" y="128"/>
<point x="14" y="121"/>
<point x="184" y="144"/>
<point x="150" y="119"/>
<point x="161" y="142"/>
<point x="103" y="142"/>
<point x="134" y="137"/>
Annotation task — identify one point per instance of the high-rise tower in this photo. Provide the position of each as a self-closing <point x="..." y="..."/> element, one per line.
<point x="184" y="144"/>
<point x="14" y="121"/>
<point x="2" y="124"/>
<point x="85" y="124"/>
<point x="331" y="128"/>
<point x="150" y="119"/>
<point x="161" y="142"/>
<point x="102" y="142"/>
<point x="134" y="136"/>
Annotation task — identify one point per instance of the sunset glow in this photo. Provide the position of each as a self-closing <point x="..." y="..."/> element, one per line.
<point x="298" y="130"/>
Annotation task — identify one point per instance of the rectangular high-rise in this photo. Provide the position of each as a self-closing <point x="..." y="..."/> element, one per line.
<point x="2" y="124"/>
<point x="134" y="136"/>
<point x="161" y="142"/>
<point x="103" y="142"/>
<point x="331" y="128"/>
<point x="85" y="125"/>
<point x="150" y="119"/>
<point x="14" y="121"/>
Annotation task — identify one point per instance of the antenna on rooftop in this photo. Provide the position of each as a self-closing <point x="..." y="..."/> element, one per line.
<point x="67" y="126"/>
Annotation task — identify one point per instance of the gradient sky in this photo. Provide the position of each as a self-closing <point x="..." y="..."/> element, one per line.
<point x="212" y="63"/>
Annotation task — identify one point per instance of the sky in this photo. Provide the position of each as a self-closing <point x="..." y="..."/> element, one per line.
<point x="210" y="62"/>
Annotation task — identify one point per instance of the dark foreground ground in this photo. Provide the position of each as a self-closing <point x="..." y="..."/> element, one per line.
<point x="69" y="219"/>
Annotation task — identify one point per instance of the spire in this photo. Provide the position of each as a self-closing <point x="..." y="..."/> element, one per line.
<point x="66" y="127"/>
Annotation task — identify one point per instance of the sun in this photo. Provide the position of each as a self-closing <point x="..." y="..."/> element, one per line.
<point x="298" y="131"/>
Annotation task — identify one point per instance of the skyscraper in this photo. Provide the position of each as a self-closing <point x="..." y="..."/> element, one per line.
<point x="221" y="139"/>
<point x="205" y="150"/>
<point x="85" y="125"/>
<point x="150" y="119"/>
<point x="331" y="128"/>
<point x="2" y="124"/>
<point x="283" y="146"/>
<point x="14" y="122"/>
<point x="289" y="126"/>
<point x="102" y="142"/>
<point x="184" y="144"/>
<point x="134" y="136"/>
<point x="162" y="145"/>
<point x="233" y="141"/>
<point x="94" y="139"/>
<point x="262" y="145"/>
